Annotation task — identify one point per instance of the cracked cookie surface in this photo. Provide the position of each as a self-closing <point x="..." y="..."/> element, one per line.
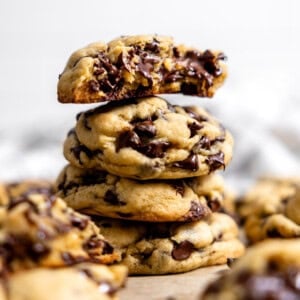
<point x="162" y="248"/>
<point x="39" y="230"/>
<point x="100" y="193"/>
<point x="271" y="208"/>
<point x="269" y="270"/>
<point x="138" y="66"/>
<point x="149" y="138"/>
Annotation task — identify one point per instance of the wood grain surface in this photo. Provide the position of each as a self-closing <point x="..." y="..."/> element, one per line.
<point x="186" y="286"/>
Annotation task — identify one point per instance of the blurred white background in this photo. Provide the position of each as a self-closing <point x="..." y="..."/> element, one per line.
<point x="260" y="101"/>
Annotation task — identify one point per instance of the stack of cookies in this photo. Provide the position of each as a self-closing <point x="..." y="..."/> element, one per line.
<point x="143" y="168"/>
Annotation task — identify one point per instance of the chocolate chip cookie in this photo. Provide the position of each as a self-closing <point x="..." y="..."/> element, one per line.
<point x="271" y="208"/>
<point x="100" y="193"/>
<point x="269" y="270"/>
<point x="138" y="66"/>
<point x="149" y="138"/>
<point x="12" y="190"/>
<point x="38" y="230"/>
<point x="162" y="248"/>
<point x="80" y="282"/>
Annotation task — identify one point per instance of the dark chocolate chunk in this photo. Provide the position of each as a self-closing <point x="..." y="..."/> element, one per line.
<point x="178" y="185"/>
<point x="81" y="148"/>
<point x="69" y="259"/>
<point x="151" y="149"/>
<point x="190" y="163"/>
<point x="214" y="205"/>
<point x="71" y="132"/>
<point x="189" y="88"/>
<point x="169" y="77"/>
<point x="196" y="212"/>
<point x="154" y="149"/>
<point x="215" y="161"/>
<point x="40" y="249"/>
<point x="145" y="128"/>
<point x="194" y="127"/>
<point x="210" y="63"/>
<point x="128" y="138"/>
<point x="93" y="177"/>
<point x="145" y="68"/>
<point x="79" y="222"/>
<point x="203" y="143"/>
<point x="111" y="198"/>
<point x="152" y="46"/>
<point x="94" y="86"/>
<point x="182" y="250"/>
<point x="123" y="62"/>
<point x="23" y="199"/>
<point x="193" y="114"/>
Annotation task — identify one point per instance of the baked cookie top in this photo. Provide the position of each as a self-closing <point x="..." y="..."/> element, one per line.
<point x="97" y="192"/>
<point x="138" y="66"/>
<point x="84" y="281"/>
<point x="271" y="208"/>
<point x="161" y="248"/>
<point x="12" y="190"/>
<point x="149" y="138"/>
<point x="269" y="270"/>
<point x="41" y="231"/>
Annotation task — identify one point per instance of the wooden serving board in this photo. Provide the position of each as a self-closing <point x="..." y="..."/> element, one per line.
<point x="186" y="286"/>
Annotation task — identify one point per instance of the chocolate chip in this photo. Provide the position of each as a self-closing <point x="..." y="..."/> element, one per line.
<point x="215" y="161"/>
<point x="145" y="128"/>
<point x="107" y="248"/>
<point x="123" y="61"/>
<point x="182" y="250"/>
<point x="194" y="127"/>
<point x="176" y="52"/>
<point x="128" y="138"/>
<point x="40" y="249"/>
<point x="79" y="222"/>
<point x="71" y="132"/>
<point x="111" y="198"/>
<point x="173" y="76"/>
<point x="190" y="163"/>
<point x="193" y="114"/>
<point x="197" y="211"/>
<point x="99" y="71"/>
<point x="214" y="205"/>
<point x="230" y="261"/>
<point x="94" y="86"/>
<point x="145" y="68"/>
<point x="81" y="148"/>
<point x="152" y="46"/>
<point x="20" y="200"/>
<point x="92" y="177"/>
<point x="189" y="88"/>
<point x="178" y="185"/>
<point x="154" y="149"/>
<point x="203" y="143"/>
<point x="210" y="64"/>
<point x="151" y="149"/>
<point x="69" y="259"/>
